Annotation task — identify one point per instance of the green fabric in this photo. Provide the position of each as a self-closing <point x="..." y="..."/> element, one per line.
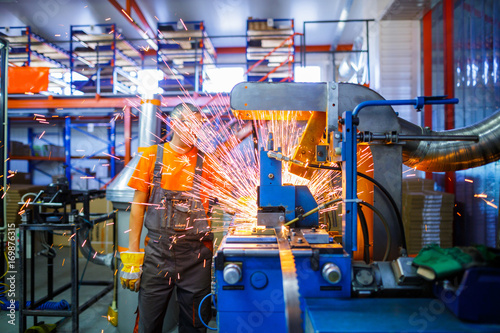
<point x="442" y="262"/>
<point x="434" y="262"/>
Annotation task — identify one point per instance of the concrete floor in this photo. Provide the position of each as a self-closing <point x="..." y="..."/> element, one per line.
<point x="94" y="319"/>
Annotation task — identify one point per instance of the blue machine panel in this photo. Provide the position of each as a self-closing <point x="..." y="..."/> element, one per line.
<point x="384" y="315"/>
<point x="247" y="306"/>
<point x="305" y="199"/>
<point x="312" y="283"/>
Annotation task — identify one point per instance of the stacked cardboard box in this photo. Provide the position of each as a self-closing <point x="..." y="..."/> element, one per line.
<point x="427" y="215"/>
<point x="19" y="149"/>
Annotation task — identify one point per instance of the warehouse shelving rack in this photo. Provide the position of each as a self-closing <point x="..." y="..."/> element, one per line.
<point x="184" y="49"/>
<point x="68" y="160"/>
<point x="105" y="57"/>
<point x="31" y="49"/>
<point x="270" y="50"/>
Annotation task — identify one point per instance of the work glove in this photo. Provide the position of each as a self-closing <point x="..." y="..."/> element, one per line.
<point x="434" y="262"/>
<point x="130" y="275"/>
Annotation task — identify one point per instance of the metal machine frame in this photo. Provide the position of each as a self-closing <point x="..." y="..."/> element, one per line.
<point x="38" y="222"/>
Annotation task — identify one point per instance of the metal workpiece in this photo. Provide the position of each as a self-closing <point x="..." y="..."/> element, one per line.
<point x="316" y="236"/>
<point x="270" y="219"/>
<point x="440" y="156"/>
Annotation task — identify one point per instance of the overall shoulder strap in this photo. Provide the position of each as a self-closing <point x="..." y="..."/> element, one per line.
<point x="158" y="163"/>
<point x="198" y="171"/>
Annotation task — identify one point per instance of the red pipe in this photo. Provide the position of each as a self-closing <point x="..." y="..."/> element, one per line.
<point x="449" y="79"/>
<point x="427" y="55"/>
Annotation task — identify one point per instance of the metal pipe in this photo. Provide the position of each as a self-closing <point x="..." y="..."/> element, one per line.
<point x="88" y="251"/>
<point x="148" y="122"/>
<point x="439" y="156"/>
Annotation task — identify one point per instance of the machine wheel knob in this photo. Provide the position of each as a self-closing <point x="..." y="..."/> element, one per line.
<point x="331" y="273"/>
<point x="232" y="274"/>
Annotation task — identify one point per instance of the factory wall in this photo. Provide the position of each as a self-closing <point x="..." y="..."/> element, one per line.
<point x="476" y="59"/>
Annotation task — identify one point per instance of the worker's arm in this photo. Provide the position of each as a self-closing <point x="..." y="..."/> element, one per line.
<point x="136" y="220"/>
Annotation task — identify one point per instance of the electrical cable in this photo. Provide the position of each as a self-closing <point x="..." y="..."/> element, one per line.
<point x="375" y="210"/>
<point x="386" y="226"/>
<point x="312" y="211"/>
<point x="199" y="314"/>
<point x="366" y="236"/>
<point x="7" y="262"/>
<point x="61" y="305"/>
<point x="382" y="188"/>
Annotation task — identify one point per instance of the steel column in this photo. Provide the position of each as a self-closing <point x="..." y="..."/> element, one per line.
<point x="111" y="146"/>
<point x="349" y="184"/>
<point x="67" y="149"/>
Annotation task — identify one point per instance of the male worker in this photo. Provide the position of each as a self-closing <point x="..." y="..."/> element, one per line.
<point x="179" y="251"/>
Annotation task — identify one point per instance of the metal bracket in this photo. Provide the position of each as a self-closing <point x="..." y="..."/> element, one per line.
<point x="332" y="110"/>
<point x="315" y="260"/>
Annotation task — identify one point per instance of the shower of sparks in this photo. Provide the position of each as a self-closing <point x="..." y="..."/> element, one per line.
<point x="233" y="167"/>
<point x="490" y="203"/>
<point x="185" y="28"/>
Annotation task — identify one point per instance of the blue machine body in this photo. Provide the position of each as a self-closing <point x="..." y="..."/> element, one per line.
<point x="256" y="301"/>
<point x="272" y="193"/>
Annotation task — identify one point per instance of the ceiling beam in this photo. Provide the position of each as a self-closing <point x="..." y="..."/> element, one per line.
<point x="148" y="34"/>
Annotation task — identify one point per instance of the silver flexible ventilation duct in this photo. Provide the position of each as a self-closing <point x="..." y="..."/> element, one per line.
<point x="440" y="156"/>
<point x="88" y="251"/>
<point x="118" y="191"/>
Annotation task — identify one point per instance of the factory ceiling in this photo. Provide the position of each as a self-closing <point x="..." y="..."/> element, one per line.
<point x="52" y="18"/>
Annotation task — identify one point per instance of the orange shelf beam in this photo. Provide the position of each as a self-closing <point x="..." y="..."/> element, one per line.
<point x="38" y="158"/>
<point x="99" y="102"/>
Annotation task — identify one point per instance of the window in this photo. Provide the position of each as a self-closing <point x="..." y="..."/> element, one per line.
<point x="222" y="79"/>
<point x="307" y="74"/>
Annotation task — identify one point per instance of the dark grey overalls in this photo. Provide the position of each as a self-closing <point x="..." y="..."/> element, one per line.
<point x="176" y="255"/>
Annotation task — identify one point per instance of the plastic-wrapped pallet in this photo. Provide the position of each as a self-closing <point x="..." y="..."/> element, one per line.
<point x="427" y="215"/>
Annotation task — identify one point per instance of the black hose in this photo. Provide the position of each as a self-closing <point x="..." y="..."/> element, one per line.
<point x="382" y="188"/>
<point x="386" y="226"/>
<point x="366" y="236"/>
